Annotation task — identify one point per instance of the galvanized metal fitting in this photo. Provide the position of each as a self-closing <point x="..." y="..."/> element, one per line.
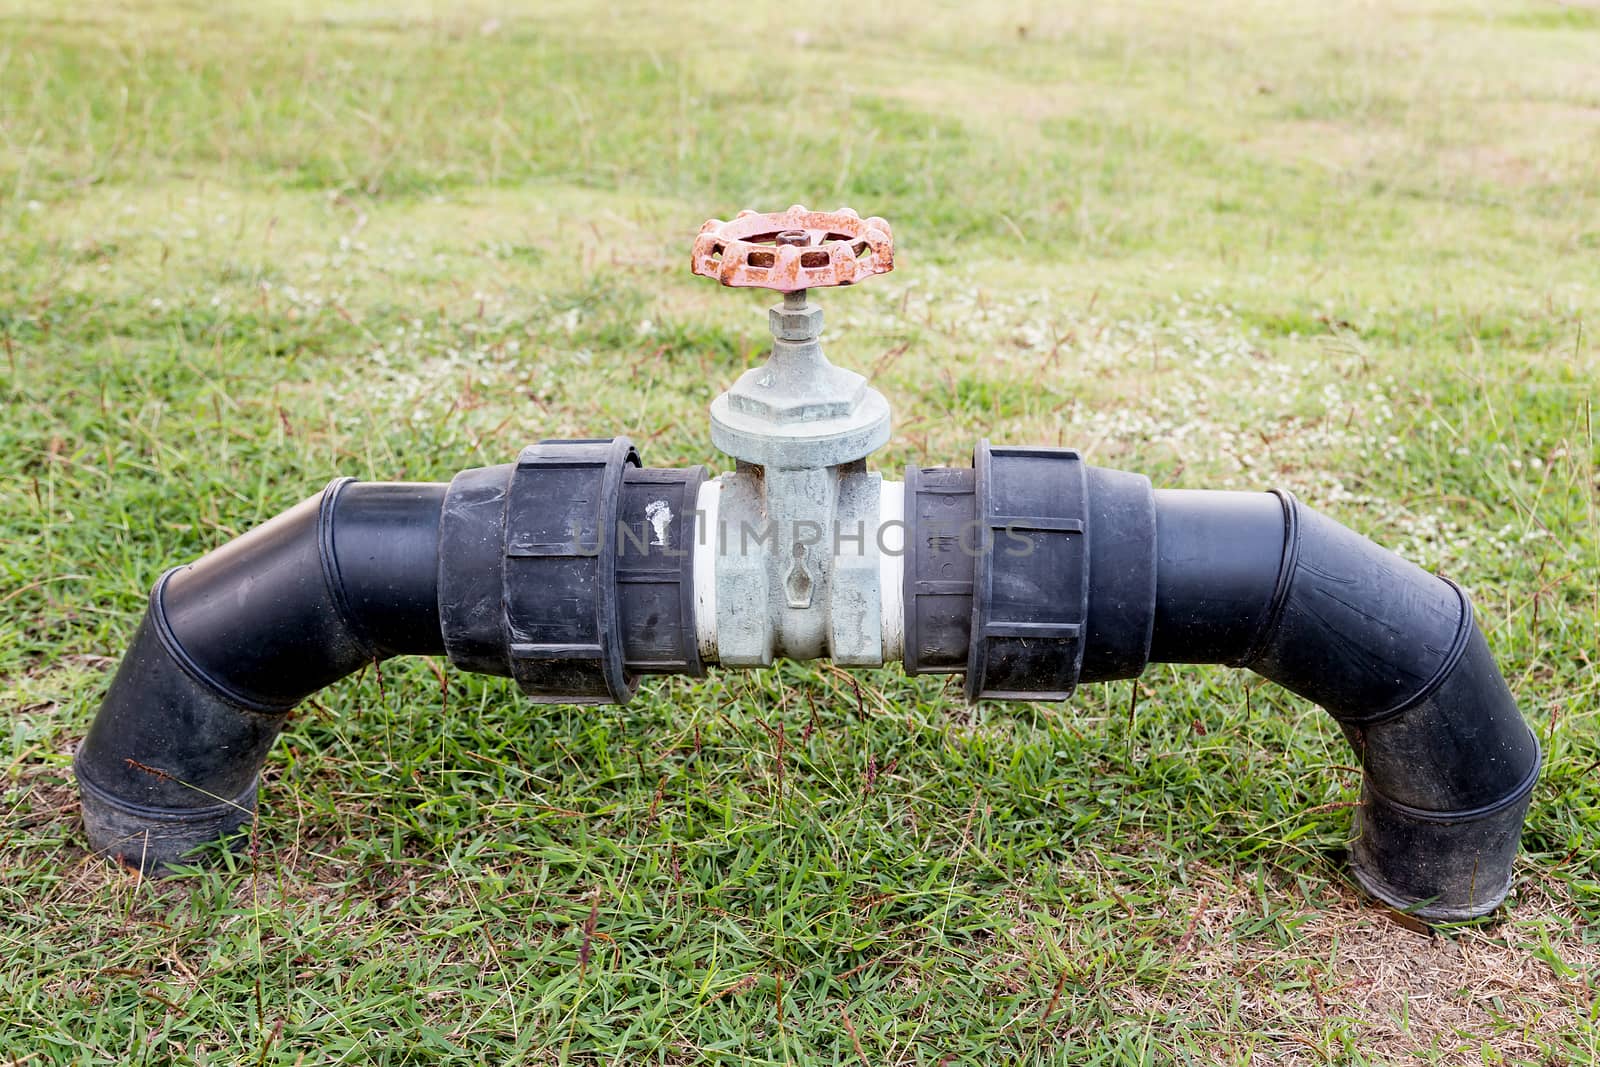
<point x="804" y="560"/>
<point x="798" y="411"/>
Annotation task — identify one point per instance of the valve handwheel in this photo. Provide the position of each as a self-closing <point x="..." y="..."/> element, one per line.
<point x="793" y="250"/>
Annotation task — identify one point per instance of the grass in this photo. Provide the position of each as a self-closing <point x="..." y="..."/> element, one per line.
<point x="1353" y="252"/>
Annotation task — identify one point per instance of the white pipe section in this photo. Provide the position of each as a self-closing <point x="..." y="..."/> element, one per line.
<point x="891" y="568"/>
<point x="707" y="528"/>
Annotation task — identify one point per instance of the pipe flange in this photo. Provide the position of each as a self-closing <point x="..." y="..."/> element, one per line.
<point x="940" y="513"/>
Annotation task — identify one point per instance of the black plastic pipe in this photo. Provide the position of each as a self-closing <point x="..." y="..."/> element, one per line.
<point x="1391" y="652"/>
<point x="570" y="570"/>
<point x="1089" y="575"/>
<point x="1031" y="572"/>
<point x="230" y="643"/>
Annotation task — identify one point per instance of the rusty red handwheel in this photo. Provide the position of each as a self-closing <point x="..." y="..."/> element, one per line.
<point x="794" y="249"/>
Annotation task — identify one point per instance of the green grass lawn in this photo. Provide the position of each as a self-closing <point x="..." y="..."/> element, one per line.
<point x="1350" y="250"/>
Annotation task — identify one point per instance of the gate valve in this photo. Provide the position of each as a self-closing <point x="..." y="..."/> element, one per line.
<point x="793" y="250"/>
<point x="575" y="570"/>
<point x="813" y="583"/>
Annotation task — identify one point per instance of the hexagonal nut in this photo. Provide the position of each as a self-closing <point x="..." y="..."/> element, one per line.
<point x="803" y="325"/>
<point x="789" y="410"/>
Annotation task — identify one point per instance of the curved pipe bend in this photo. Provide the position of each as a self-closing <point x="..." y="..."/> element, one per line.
<point x="512" y="569"/>
<point x="1393" y="653"/>
<point x="230" y="643"/>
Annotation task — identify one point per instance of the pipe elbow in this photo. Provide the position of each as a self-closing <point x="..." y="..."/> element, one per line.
<point x="1394" y="654"/>
<point x="229" y="643"/>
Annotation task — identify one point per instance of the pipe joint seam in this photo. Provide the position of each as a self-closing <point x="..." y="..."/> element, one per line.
<point x="1442" y="866"/>
<point x="153" y="837"/>
<point x="180" y="656"/>
<point x="1519" y="793"/>
<point x="1452" y="657"/>
<point x="1288" y="561"/>
<point x="359" y="633"/>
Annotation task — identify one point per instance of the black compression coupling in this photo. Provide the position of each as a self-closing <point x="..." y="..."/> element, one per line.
<point x="1030" y="572"/>
<point x="571" y="570"/>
